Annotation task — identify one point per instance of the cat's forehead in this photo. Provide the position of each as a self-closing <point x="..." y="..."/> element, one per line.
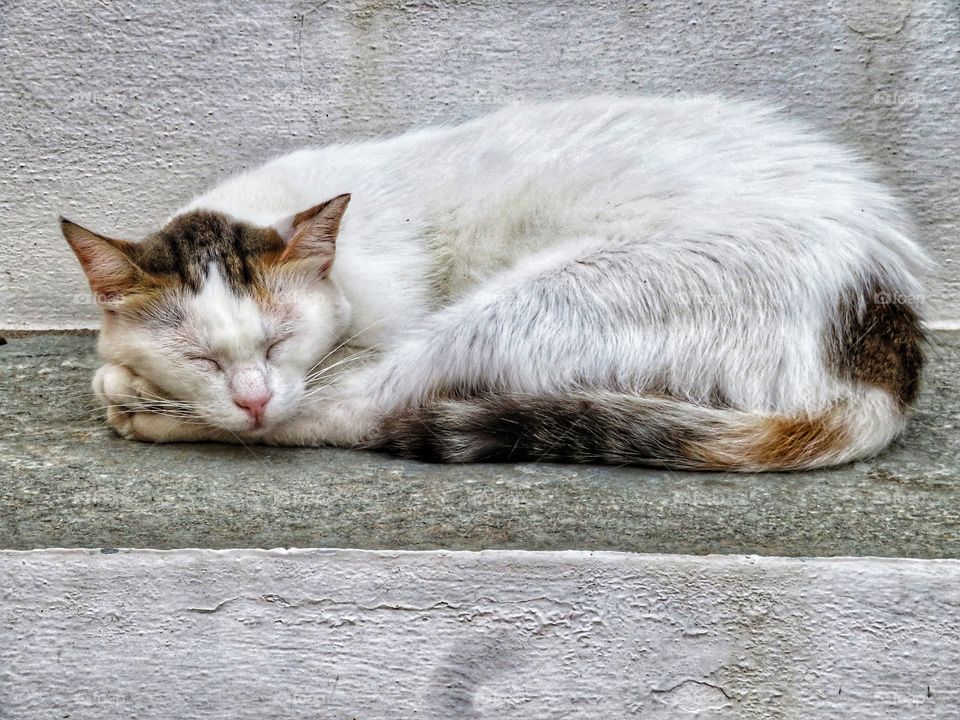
<point x="228" y="322"/>
<point x="186" y="247"/>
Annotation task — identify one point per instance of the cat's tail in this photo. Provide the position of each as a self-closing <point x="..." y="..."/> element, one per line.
<point x="619" y="429"/>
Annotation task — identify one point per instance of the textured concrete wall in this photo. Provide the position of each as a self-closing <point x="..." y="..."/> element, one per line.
<point x="461" y="636"/>
<point x="116" y="113"/>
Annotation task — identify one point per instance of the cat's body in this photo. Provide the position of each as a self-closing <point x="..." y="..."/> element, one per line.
<point x="690" y="283"/>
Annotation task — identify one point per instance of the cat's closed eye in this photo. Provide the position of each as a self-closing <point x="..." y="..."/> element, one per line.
<point x="205" y="363"/>
<point x="275" y="346"/>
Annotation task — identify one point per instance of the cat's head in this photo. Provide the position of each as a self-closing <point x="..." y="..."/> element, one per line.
<point x="227" y="317"/>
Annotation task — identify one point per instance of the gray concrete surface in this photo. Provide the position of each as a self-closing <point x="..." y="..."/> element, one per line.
<point x="66" y="481"/>
<point x="464" y="636"/>
<point x="117" y="113"/>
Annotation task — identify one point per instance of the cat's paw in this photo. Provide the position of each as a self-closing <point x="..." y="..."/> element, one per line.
<point x="126" y="397"/>
<point x="131" y="403"/>
<point x="115" y="389"/>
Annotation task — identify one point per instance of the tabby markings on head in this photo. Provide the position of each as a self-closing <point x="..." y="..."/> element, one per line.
<point x="187" y="246"/>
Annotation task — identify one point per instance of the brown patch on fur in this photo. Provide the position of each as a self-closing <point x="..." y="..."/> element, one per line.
<point x="792" y="442"/>
<point x="184" y="248"/>
<point x="877" y="340"/>
<point x="140" y="278"/>
<point x="151" y="300"/>
<point x="774" y="443"/>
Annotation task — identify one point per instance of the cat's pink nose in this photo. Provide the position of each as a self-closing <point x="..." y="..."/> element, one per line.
<point x="254" y="405"/>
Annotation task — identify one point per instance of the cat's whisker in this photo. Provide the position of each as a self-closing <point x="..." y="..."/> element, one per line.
<point x="312" y="392"/>
<point x="141" y="401"/>
<point x="245" y="447"/>
<point x="346" y="342"/>
<point x="329" y="382"/>
<point x="326" y="372"/>
<point x="350" y="358"/>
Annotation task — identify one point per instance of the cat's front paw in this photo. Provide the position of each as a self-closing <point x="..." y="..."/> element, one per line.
<point x="116" y="390"/>
<point x="129" y="400"/>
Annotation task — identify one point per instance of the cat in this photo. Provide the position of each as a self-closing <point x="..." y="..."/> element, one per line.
<point x="691" y="283"/>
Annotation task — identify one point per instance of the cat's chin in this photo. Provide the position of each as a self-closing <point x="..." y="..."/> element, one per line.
<point x="246" y="433"/>
<point x="239" y="428"/>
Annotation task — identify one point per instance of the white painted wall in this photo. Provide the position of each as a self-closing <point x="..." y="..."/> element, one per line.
<point x="458" y="636"/>
<point x="116" y="113"/>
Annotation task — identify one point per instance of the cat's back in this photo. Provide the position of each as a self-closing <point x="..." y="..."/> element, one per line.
<point x="622" y="132"/>
<point x="505" y="184"/>
<point x="638" y="166"/>
<point x="583" y="155"/>
<point x="702" y="149"/>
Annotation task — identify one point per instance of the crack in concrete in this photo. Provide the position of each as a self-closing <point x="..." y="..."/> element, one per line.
<point x="704" y="683"/>
<point x="213" y="609"/>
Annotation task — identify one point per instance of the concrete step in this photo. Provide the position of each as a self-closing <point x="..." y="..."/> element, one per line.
<point x="460" y="636"/>
<point x="65" y="481"/>
<point x="384" y="633"/>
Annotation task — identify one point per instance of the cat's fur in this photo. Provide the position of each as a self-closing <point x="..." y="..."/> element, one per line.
<point x="690" y="283"/>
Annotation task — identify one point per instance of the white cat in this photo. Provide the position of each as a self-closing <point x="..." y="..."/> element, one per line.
<point x="690" y="283"/>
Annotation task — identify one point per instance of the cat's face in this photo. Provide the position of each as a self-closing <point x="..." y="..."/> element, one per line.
<point x="225" y="318"/>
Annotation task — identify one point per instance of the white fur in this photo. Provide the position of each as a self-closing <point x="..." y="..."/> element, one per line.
<point x="698" y="241"/>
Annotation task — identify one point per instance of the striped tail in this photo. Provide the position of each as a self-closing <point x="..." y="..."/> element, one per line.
<point x="618" y="429"/>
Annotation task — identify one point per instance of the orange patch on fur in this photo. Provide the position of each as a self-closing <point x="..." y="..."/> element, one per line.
<point x="147" y="295"/>
<point x="774" y="443"/>
<point x="794" y="442"/>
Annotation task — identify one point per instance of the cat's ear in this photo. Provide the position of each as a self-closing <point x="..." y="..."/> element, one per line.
<point x="312" y="234"/>
<point x="106" y="262"/>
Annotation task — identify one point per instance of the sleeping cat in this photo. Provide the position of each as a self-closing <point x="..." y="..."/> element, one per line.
<point x="689" y="283"/>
